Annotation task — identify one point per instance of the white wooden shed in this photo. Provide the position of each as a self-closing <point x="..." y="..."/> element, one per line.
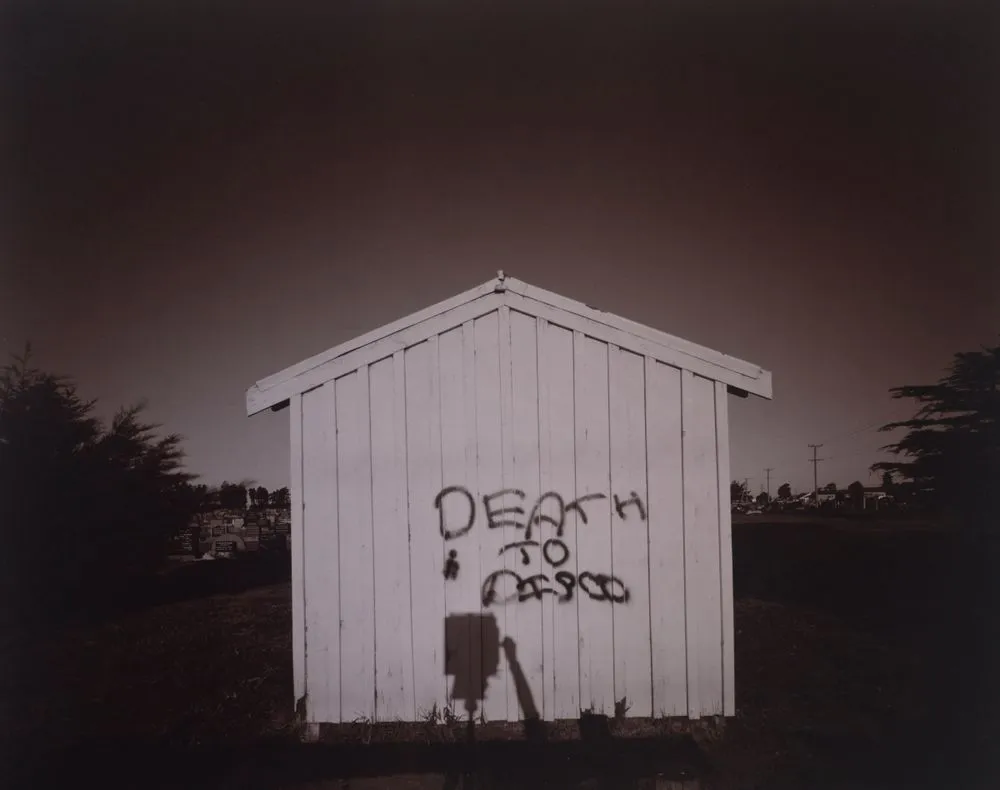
<point x="511" y="469"/>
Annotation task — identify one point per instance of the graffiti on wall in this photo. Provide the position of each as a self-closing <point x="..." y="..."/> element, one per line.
<point x="506" y="585"/>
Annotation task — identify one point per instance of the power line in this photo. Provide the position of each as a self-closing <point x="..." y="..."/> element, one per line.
<point x="849" y="434"/>
<point x="783" y="437"/>
<point x="839" y="437"/>
<point x="854" y="454"/>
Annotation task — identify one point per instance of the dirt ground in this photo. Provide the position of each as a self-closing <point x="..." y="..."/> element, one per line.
<point x="835" y="674"/>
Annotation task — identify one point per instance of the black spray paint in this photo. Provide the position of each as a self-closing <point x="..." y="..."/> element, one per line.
<point x="456" y="533"/>
<point x="634" y="499"/>
<point x="555" y="552"/>
<point x="596" y="586"/>
<point x="498" y="518"/>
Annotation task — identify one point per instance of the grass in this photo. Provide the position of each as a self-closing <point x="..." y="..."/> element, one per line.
<point x="213" y="670"/>
<point x="832" y="667"/>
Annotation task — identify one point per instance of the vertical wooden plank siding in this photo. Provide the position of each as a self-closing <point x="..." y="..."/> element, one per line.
<point x="666" y="539"/>
<point x="490" y="477"/>
<point x="393" y="646"/>
<point x="725" y="550"/>
<point x="461" y="591"/>
<point x="402" y="496"/>
<point x="470" y="575"/>
<point x="701" y="547"/>
<point x="298" y="551"/>
<point x="608" y="469"/>
<point x="594" y="530"/>
<point x="547" y="706"/>
<point x="557" y="366"/>
<point x="322" y="559"/>
<point x="629" y="535"/>
<point x="525" y="471"/>
<point x="423" y="430"/>
<point x="509" y="502"/>
<point x="357" y="590"/>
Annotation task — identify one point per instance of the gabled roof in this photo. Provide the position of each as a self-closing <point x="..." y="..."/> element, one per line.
<point x="484" y="299"/>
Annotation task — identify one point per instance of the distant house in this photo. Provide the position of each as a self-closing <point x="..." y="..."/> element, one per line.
<point x="875" y="496"/>
<point x="812" y="499"/>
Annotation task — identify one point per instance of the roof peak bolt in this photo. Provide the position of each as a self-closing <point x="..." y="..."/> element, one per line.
<point x="500" y="281"/>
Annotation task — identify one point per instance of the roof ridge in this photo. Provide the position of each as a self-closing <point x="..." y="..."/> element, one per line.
<point x="518" y="295"/>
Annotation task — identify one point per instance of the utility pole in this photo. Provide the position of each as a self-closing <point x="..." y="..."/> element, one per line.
<point x="815" y="462"/>
<point x="769" y="470"/>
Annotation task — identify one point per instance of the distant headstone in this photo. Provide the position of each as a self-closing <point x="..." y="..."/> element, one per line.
<point x="225" y="547"/>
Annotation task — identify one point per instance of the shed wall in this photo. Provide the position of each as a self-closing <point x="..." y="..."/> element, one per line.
<point x="608" y="467"/>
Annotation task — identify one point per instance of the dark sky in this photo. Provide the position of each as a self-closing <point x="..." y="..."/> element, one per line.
<point x="196" y="195"/>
